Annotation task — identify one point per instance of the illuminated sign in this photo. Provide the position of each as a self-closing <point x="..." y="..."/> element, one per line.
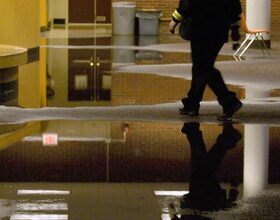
<point x="50" y="139"/>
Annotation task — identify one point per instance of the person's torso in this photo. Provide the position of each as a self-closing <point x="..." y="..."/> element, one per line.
<point x="210" y="18"/>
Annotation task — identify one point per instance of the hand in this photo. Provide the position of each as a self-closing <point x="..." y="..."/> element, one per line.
<point x="172" y="26"/>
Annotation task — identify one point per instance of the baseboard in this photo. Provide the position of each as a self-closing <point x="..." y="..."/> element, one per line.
<point x="88" y="25"/>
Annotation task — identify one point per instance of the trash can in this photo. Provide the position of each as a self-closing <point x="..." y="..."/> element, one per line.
<point x="124" y="18"/>
<point x="122" y="55"/>
<point x="148" y="21"/>
<point x="146" y="40"/>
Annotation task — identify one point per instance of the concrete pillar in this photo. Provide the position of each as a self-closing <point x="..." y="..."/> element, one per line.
<point x="58" y="9"/>
<point x="258" y="16"/>
<point x="256" y="152"/>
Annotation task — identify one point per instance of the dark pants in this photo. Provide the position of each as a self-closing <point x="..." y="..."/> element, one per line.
<point x="204" y="53"/>
<point x="205" y="190"/>
<point x="204" y="164"/>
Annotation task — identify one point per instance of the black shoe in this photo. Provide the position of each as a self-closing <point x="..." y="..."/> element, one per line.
<point x="235" y="46"/>
<point x="188" y="112"/>
<point x="229" y="138"/>
<point x="228" y="112"/>
<point x="190" y="108"/>
<point x="190" y="128"/>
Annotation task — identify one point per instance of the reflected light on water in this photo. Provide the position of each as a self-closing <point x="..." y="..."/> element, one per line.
<point x="42" y="192"/>
<point x="167" y="216"/>
<point x="50" y="139"/>
<point x="170" y="193"/>
<point x="39" y="217"/>
<point x="41" y="206"/>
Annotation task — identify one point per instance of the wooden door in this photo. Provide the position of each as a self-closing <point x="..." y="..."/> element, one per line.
<point x="103" y="11"/>
<point x="88" y="70"/>
<point x="83" y="11"/>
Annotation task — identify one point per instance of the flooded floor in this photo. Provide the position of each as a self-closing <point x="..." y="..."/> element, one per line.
<point x="98" y="136"/>
<point x="65" y="169"/>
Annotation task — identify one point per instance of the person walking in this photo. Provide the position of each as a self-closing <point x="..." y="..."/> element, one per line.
<point x="205" y="191"/>
<point x="210" y="24"/>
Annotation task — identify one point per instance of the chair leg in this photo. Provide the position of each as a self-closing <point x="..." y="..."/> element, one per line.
<point x="260" y="44"/>
<point x="237" y="58"/>
<point x="243" y="44"/>
<point x="265" y="44"/>
<point x="248" y="45"/>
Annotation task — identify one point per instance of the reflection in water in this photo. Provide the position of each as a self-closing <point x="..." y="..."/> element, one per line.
<point x="50" y="86"/>
<point x="39" y="217"/>
<point x="74" y="151"/>
<point x="142" y="168"/>
<point x="42" y="192"/>
<point x="205" y="191"/>
<point x="123" y="56"/>
<point x="257" y="144"/>
<point x="81" y="73"/>
<point x="9" y="86"/>
<point x="87" y="78"/>
<point x="256" y="159"/>
<point x="152" y="56"/>
<point x="34" y="204"/>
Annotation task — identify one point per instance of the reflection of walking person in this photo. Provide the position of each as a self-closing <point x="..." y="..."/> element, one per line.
<point x="205" y="192"/>
<point x="210" y="23"/>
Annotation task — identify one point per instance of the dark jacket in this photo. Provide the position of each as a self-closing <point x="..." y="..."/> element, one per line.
<point x="210" y="18"/>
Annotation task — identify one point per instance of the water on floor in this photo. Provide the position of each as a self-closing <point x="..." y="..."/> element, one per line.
<point x="138" y="170"/>
<point x="71" y="163"/>
<point x="85" y="72"/>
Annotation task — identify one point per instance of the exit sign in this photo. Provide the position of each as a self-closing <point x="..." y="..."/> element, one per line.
<point x="50" y="139"/>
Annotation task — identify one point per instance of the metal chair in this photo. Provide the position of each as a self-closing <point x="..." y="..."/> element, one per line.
<point x="252" y="34"/>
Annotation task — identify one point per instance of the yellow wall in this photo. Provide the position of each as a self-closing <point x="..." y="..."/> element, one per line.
<point x="43" y="13"/>
<point x="20" y="131"/>
<point x="19" y="22"/>
<point x="20" y="26"/>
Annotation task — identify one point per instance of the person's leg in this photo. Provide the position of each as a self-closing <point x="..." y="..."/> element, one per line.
<point x="227" y="99"/>
<point x="194" y="97"/>
<point x="226" y="140"/>
<point x="196" y="91"/>
<point x="198" y="84"/>
<point x="204" y="185"/>
<point x="197" y="88"/>
<point x="206" y="52"/>
<point x="200" y="174"/>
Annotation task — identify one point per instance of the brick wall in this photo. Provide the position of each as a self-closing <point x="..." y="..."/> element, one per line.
<point x="153" y="152"/>
<point x="128" y="89"/>
<point x="160" y="152"/>
<point x="167" y="7"/>
<point x="144" y="89"/>
<point x="275" y="18"/>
